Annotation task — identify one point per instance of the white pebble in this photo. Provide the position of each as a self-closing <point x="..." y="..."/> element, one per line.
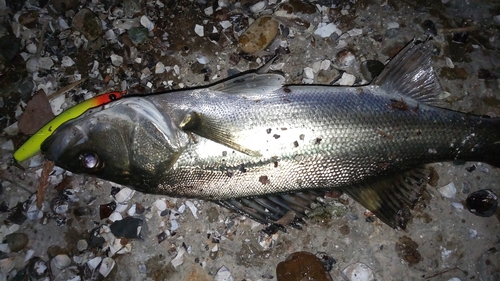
<point x="45" y="63"/>
<point x="392" y="25"/>
<point x="223" y="274"/>
<point x="8" y="145"/>
<point x="347" y="79"/>
<point x="82" y="245"/>
<point x="62" y="261"/>
<point x="355" y="32"/>
<point x="193" y="208"/>
<point x="159" y="68"/>
<point x="225" y="24"/>
<point x="178" y="260"/>
<point x="67" y="61"/>
<point x="448" y="190"/>
<point x="32" y="65"/>
<point x="358" y="272"/>
<point x="94" y="263"/>
<point x="202" y="59"/>
<point x="199" y="30"/>
<point x="458" y="206"/>
<point x="147" y="23"/>
<point x="472" y="232"/>
<point x="174" y="225"/>
<point x="124" y="195"/>
<point x="121" y="207"/>
<point x="31" y="48"/>
<point x="258" y="7"/>
<point x="56" y="104"/>
<point x="115" y="216"/>
<point x="106" y="266"/>
<point x="132" y="210"/>
<point x="325" y="30"/>
<point x="116" y="60"/>
<point x="181" y="208"/>
<point x="209" y="11"/>
<point x="308" y="73"/>
<point x="160" y="205"/>
<point x="449" y="63"/>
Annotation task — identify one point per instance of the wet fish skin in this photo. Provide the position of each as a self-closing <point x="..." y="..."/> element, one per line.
<point x="256" y="137"/>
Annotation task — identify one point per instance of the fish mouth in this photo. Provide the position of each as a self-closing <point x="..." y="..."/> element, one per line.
<point x="63" y="139"/>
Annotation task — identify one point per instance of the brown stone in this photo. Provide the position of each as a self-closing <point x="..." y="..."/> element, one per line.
<point x="259" y="34"/>
<point x="302" y="266"/>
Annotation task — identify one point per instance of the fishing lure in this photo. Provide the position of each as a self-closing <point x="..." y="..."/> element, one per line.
<point x="32" y="145"/>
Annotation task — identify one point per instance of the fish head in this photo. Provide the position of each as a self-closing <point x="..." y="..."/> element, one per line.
<point x="129" y="143"/>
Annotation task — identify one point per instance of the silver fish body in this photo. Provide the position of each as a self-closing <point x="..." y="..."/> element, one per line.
<point x="252" y="137"/>
<point x="306" y="137"/>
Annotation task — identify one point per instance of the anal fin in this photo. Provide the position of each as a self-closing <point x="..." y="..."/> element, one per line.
<point x="391" y="198"/>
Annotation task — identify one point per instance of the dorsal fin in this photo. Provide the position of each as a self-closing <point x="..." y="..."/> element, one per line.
<point x="410" y="73"/>
<point x="251" y="83"/>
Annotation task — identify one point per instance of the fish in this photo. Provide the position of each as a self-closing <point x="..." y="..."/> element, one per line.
<point x="269" y="150"/>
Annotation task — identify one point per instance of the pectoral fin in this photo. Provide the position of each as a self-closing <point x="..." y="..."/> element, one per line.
<point x="196" y="123"/>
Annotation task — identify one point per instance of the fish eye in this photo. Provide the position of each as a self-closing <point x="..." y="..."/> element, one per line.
<point x="90" y="160"/>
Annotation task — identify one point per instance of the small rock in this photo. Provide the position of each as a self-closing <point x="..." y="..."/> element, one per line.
<point x="497" y="19"/>
<point x="124" y="195"/>
<point x="326" y="30"/>
<point x="346" y="79"/>
<point x="302" y="266"/>
<point x="147" y="23"/>
<point x="429" y="27"/>
<point x="392" y="25"/>
<point x="472" y="232"/>
<point x="406" y="249"/>
<point x="345" y="58"/>
<point x="59" y="204"/>
<point x="223" y="274"/>
<point x="460" y="37"/>
<point x="483" y="203"/>
<point x="138" y="35"/>
<point x="327" y="260"/>
<point x="128" y="227"/>
<point x="116" y="60"/>
<point x="371" y="69"/>
<point x="88" y="24"/>
<point x="199" y="29"/>
<point x="301" y="16"/>
<point x="392" y="33"/>
<point x="131" y="7"/>
<point x="259" y="34"/>
<point x="358" y="272"/>
<point x="105" y="210"/>
<point x="16" y="241"/>
<point x="82" y="245"/>
<point x="107" y="265"/>
<point x="62" y="261"/>
<point x="8" y="145"/>
<point x="448" y="190"/>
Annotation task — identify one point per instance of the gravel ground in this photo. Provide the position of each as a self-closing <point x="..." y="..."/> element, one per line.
<point x="72" y="50"/>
